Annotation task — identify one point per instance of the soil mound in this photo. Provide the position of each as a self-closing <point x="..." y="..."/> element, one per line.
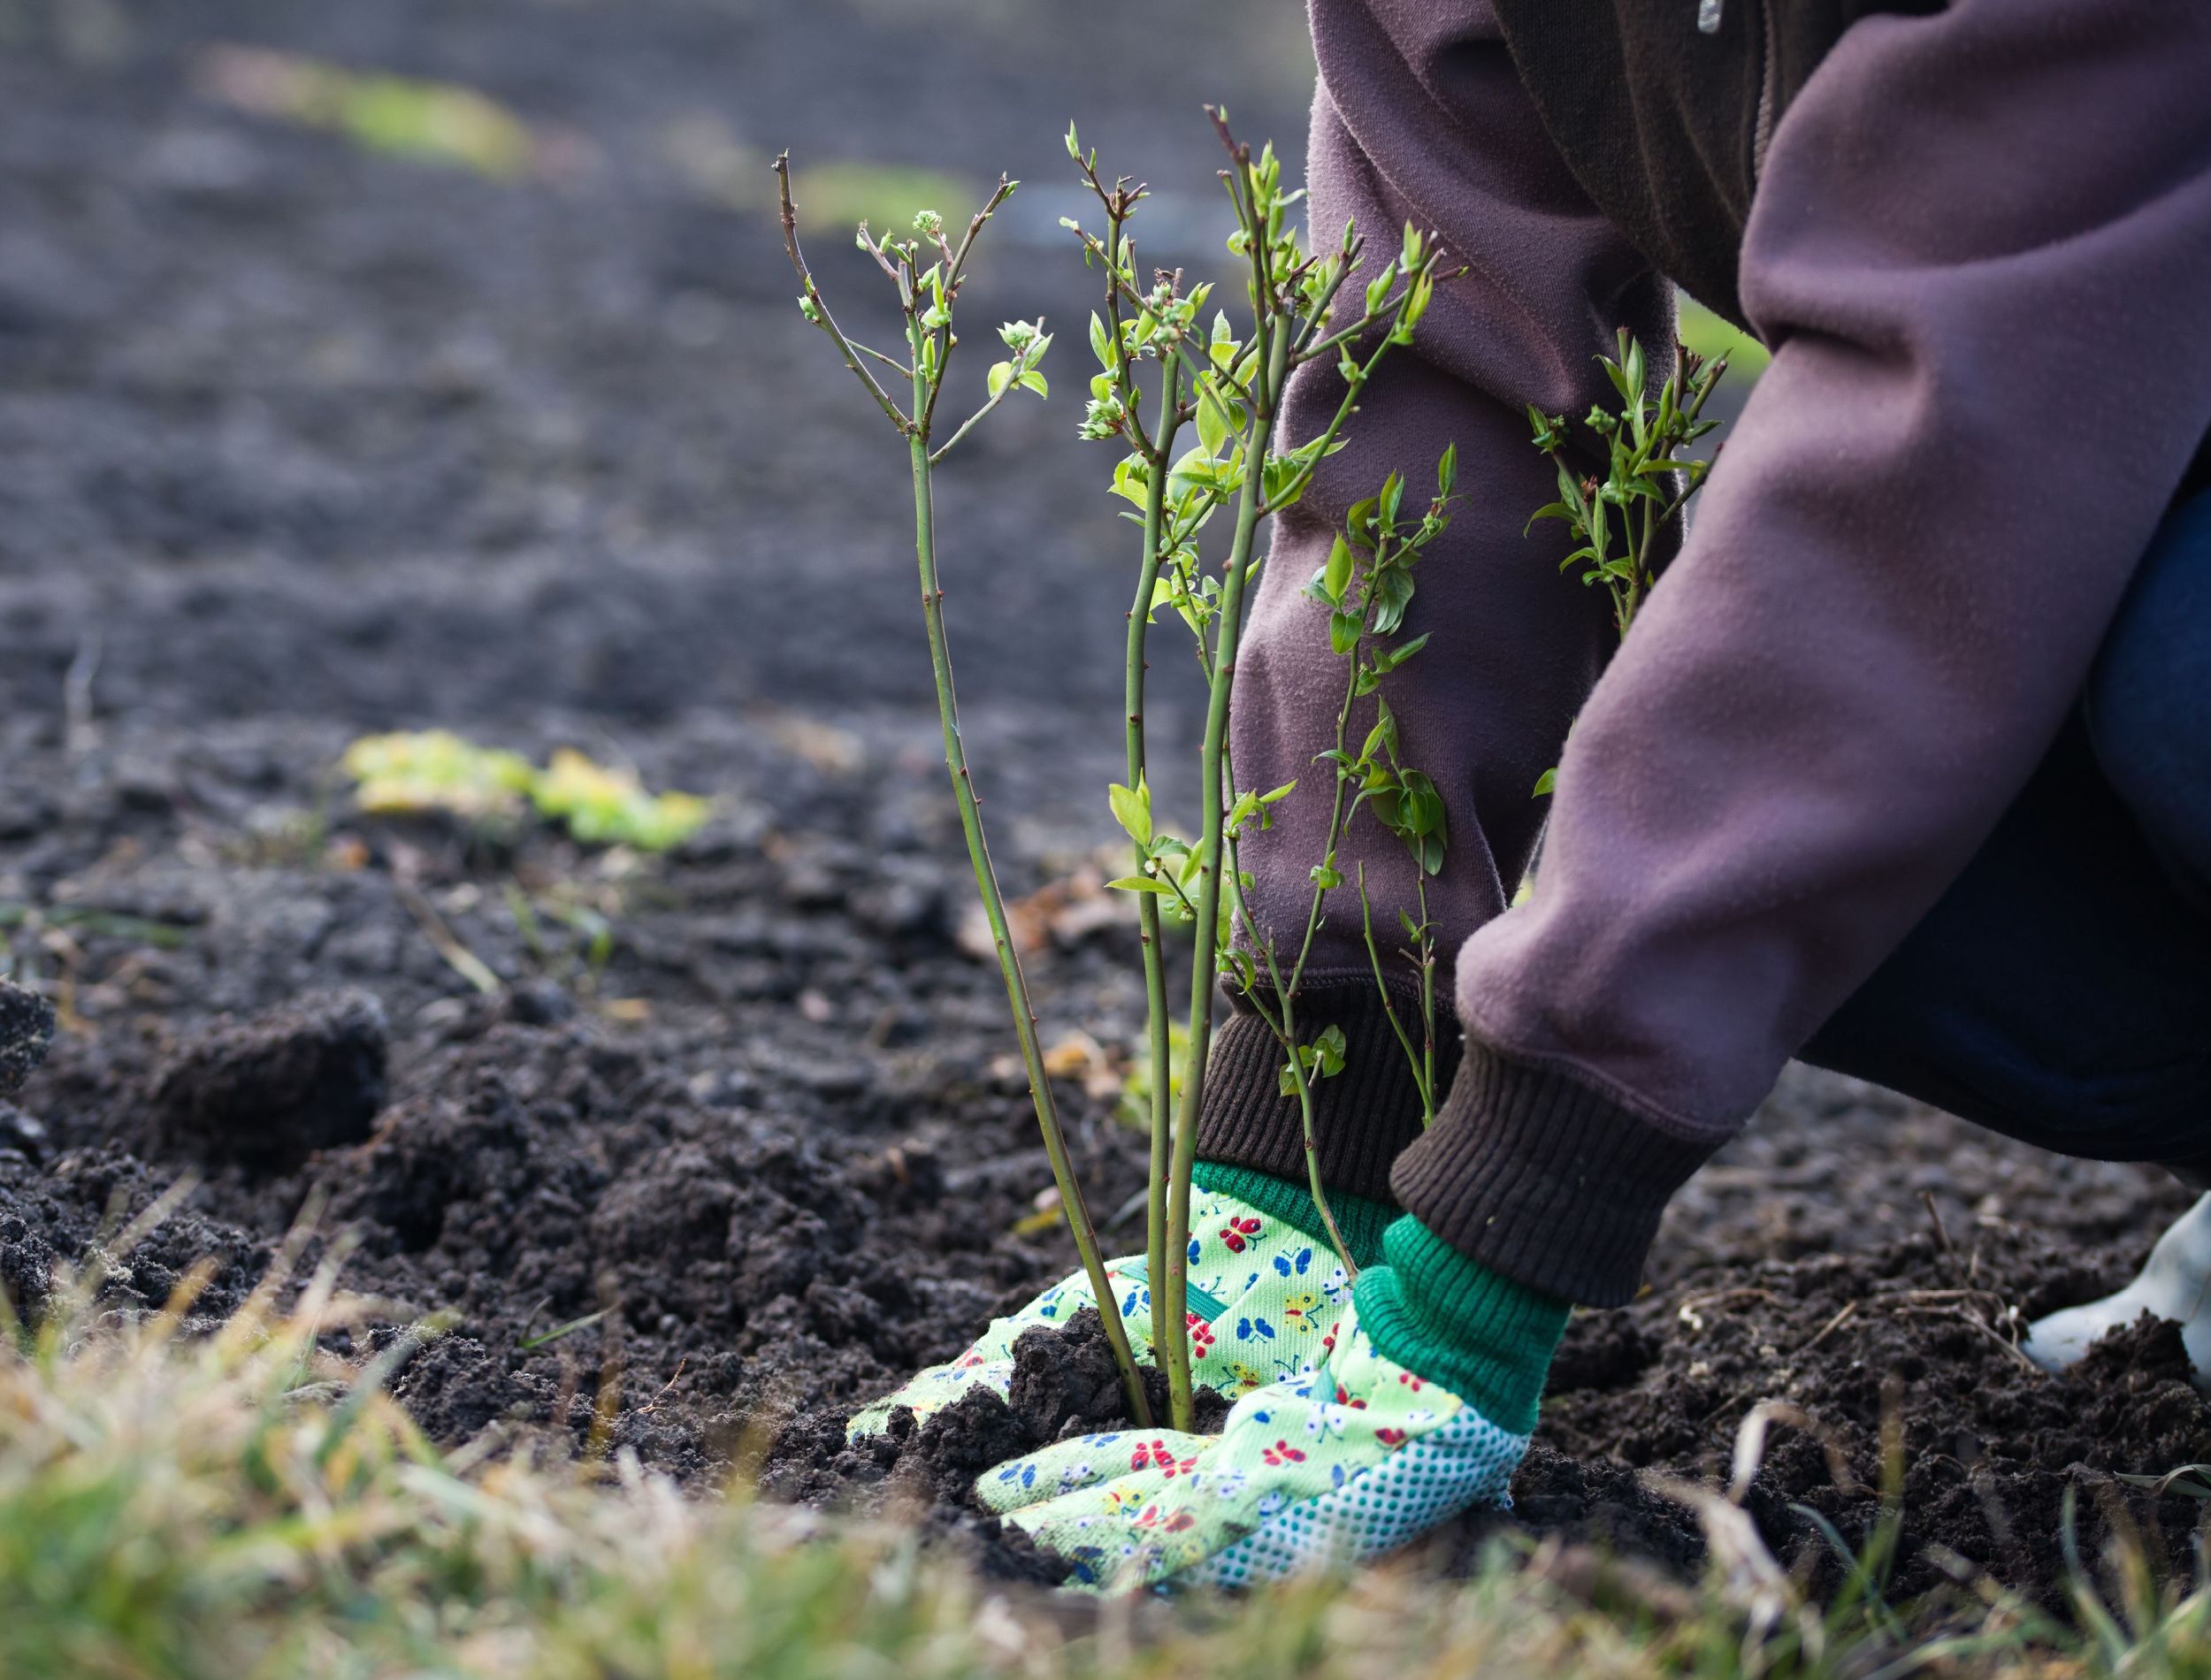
<point x="270" y="1090"/>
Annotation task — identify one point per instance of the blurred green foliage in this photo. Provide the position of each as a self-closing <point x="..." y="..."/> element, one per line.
<point x="883" y="195"/>
<point x="1710" y="337"/>
<point x="437" y="770"/>
<point x="434" y="122"/>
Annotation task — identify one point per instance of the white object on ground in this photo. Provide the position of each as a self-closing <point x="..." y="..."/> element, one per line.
<point x="2175" y="1283"/>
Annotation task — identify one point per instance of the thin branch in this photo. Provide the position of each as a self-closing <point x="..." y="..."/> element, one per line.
<point x="1348" y="258"/>
<point x="1373" y="957"/>
<point x="1296" y="487"/>
<point x="821" y="316"/>
<point x="891" y="362"/>
<point x="955" y="268"/>
<point x="972" y="421"/>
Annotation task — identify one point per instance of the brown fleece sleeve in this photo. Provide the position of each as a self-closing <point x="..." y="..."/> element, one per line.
<point x="1421" y="117"/>
<point x="1982" y="249"/>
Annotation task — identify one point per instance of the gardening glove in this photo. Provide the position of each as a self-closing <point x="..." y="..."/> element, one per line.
<point x="2175" y="1282"/>
<point x="1421" y="1410"/>
<point x="1264" y="1282"/>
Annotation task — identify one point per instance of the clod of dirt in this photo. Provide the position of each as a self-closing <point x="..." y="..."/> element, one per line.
<point x="27" y="1028"/>
<point x="1065" y="1385"/>
<point x="956" y="1444"/>
<point x="269" y="1091"/>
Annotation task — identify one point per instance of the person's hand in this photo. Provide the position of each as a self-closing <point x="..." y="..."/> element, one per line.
<point x="1329" y="1468"/>
<point x="1261" y="1293"/>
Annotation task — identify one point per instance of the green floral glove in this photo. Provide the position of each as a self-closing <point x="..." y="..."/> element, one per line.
<point x="1262" y="1287"/>
<point x="1324" y="1469"/>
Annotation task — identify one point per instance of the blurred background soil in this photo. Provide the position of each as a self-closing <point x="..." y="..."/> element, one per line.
<point x="433" y="363"/>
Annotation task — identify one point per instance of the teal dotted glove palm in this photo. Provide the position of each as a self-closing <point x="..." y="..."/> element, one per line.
<point x="1322" y="1470"/>
<point x="1262" y="1291"/>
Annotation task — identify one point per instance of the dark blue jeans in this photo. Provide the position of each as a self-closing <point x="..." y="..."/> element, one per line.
<point x="2060" y="992"/>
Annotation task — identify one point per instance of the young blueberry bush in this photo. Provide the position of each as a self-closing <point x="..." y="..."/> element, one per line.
<point x="1617" y="520"/>
<point x="1194" y="402"/>
<point x="927" y="272"/>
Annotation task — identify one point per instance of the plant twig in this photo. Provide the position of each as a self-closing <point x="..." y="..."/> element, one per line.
<point x="818" y="312"/>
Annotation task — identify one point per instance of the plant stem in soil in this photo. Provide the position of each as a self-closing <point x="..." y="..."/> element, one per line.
<point x="1071" y="1202"/>
<point x="1156" y="1024"/>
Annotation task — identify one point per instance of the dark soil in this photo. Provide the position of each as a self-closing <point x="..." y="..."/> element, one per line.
<point x="303" y="442"/>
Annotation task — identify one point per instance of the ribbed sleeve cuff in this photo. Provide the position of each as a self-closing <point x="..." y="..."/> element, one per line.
<point x="1363" y="1118"/>
<point x="1544" y="1178"/>
<point x="1461" y="1325"/>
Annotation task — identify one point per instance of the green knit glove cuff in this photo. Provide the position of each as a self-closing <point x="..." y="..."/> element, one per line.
<point x="1452" y="1320"/>
<point x="1362" y="1219"/>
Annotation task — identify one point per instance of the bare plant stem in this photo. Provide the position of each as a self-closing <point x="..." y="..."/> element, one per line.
<point x="1071" y="1202"/>
<point x="1285" y="1030"/>
<point x="1156" y="1021"/>
<point x="1230" y="626"/>
<point x="1421" y="1060"/>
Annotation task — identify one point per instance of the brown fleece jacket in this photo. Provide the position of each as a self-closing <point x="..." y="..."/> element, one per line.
<point x="1980" y="247"/>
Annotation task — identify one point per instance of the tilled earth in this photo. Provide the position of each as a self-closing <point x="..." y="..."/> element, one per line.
<point x="301" y="442"/>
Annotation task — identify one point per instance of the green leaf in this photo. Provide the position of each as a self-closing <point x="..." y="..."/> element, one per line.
<point x="1337" y="578"/>
<point x="1393" y="493"/>
<point x="1393" y="593"/>
<point x="1143" y="883"/>
<point x="1132" y="479"/>
<point x="1212" y="420"/>
<point x="1001" y="375"/>
<point x="1197" y="471"/>
<point x="1382" y="738"/>
<point x="1102" y="345"/>
<point x="1404" y="650"/>
<point x="560" y="1332"/>
<point x="1329" y="1048"/>
<point x="1344" y="629"/>
<point x="1415" y="305"/>
<point x="1132" y="809"/>
<point x="1447" y="471"/>
<point x="1035" y="381"/>
<point x="1423" y="805"/>
<point x="1325" y="878"/>
<point x="1546" y="782"/>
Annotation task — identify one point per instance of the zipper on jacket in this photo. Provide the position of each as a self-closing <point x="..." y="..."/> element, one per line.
<point x="1769" y="95"/>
